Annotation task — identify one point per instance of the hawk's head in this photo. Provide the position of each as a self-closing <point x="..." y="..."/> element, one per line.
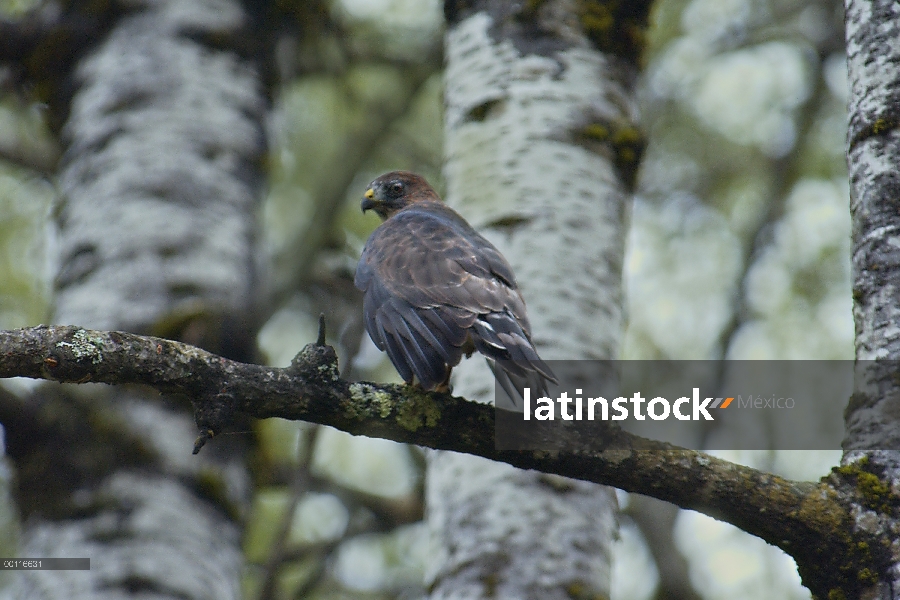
<point x="396" y="190"/>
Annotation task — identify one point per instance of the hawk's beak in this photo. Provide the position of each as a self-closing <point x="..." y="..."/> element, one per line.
<point x="368" y="202"/>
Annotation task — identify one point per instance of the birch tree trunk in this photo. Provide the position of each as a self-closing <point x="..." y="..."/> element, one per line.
<point x="873" y="50"/>
<point x="540" y="151"/>
<point x="156" y="233"/>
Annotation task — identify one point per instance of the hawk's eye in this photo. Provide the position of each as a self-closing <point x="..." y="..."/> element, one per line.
<point x="397" y="188"/>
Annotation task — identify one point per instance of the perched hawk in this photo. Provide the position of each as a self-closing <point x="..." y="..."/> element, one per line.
<point x="435" y="289"/>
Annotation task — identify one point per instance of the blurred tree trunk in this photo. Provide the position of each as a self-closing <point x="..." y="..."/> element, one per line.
<point x="159" y="187"/>
<point x="541" y="149"/>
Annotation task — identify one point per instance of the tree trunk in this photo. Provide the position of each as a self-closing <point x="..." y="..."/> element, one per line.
<point x="536" y="110"/>
<point x="156" y="234"/>
<point x="873" y="31"/>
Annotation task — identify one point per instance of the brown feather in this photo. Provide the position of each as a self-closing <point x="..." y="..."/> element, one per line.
<point x="436" y="289"/>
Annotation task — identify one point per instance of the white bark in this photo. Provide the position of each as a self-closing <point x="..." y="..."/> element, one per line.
<point x="873" y="51"/>
<point x="158" y="178"/>
<point x="564" y="203"/>
<point x="156" y="224"/>
<point x="154" y="538"/>
<point x="873" y="44"/>
<point x="555" y="209"/>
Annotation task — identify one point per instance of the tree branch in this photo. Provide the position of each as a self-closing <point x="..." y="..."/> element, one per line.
<point x="808" y="520"/>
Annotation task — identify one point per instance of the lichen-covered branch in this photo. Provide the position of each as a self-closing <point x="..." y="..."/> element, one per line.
<point x="810" y="521"/>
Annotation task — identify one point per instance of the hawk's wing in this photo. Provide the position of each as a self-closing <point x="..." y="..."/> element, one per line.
<point x="429" y="281"/>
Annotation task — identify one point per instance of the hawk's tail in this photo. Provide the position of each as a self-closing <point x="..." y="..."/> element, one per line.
<point x="514" y="382"/>
<point x="500" y="337"/>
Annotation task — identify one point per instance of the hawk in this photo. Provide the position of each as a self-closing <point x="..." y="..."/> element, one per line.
<point x="435" y="289"/>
